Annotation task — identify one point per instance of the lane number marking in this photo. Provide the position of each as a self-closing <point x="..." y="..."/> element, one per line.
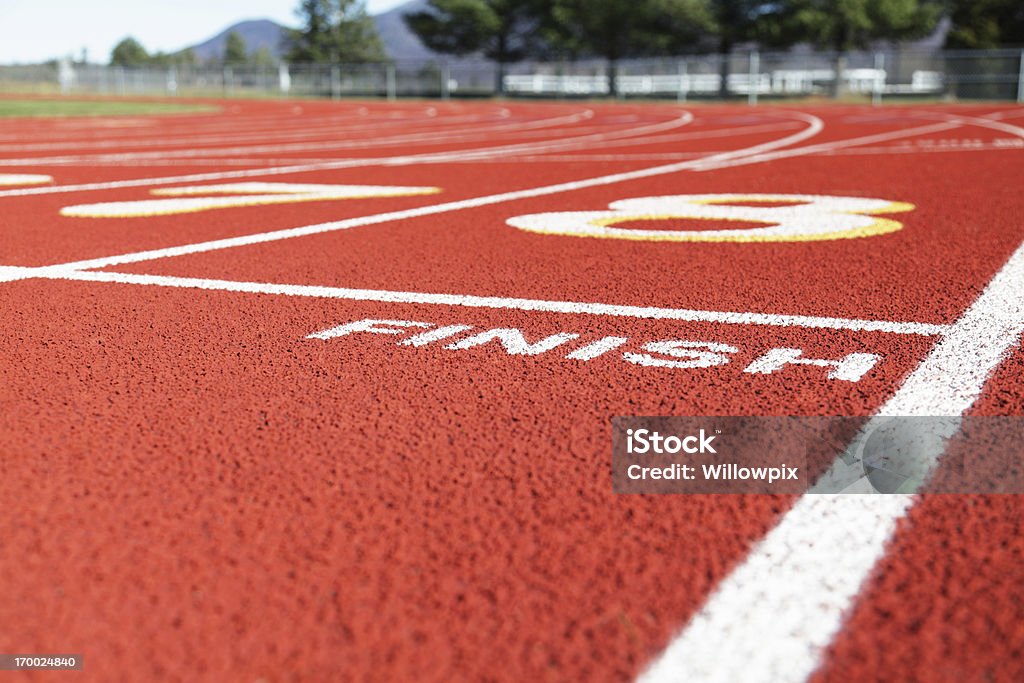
<point x="799" y="218"/>
<point x="196" y="198"/>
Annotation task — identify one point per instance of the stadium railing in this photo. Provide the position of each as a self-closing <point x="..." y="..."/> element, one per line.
<point x="752" y="75"/>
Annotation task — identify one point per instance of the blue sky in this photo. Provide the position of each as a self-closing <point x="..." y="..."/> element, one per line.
<point x="35" y="30"/>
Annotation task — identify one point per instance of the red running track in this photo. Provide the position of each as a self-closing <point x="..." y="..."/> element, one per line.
<point x="195" y="489"/>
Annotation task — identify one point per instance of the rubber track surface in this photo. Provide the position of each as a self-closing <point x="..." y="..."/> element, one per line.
<point x="194" y="490"/>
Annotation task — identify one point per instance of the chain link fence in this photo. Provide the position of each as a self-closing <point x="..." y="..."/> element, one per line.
<point x="753" y="76"/>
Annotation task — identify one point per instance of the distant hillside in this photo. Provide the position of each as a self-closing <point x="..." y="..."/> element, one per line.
<point x="256" y="33"/>
<point x="399" y="41"/>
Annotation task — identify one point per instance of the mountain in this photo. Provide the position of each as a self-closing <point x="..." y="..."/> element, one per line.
<point x="399" y="41"/>
<point x="256" y="33"/>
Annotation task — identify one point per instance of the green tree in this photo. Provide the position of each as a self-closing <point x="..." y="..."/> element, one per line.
<point x="843" y="25"/>
<point x="986" y="23"/>
<point x="679" y="25"/>
<point x="503" y="30"/>
<point x="186" y="57"/>
<point x="616" y="29"/>
<point x="235" y="51"/>
<point x="607" y="28"/>
<point x="129" y="52"/>
<point x="733" y="22"/>
<point x="334" y="31"/>
<point x="263" y="57"/>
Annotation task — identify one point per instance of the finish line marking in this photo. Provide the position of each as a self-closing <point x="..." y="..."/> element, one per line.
<point x="470" y="301"/>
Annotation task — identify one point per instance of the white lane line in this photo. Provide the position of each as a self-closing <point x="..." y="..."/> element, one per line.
<point x="417" y="212"/>
<point x="364" y="140"/>
<point x="156" y="158"/>
<point x="1000" y="115"/>
<point x="953" y="375"/>
<point x="180" y="137"/>
<point x="950" y="121"/>
<point x="439" y="157"/>
<point x="588" y="158"/>
<point x="710" y="165"/>
<point x="11" y="273"/>
<point x="503" y="157"/>
<point x="493" y="302"/>
<point x="657" y="139"/>
<point x="982" y="121"/>
<point x="772" y="618"/>
<point x="1008" y="145"/>
<point x="215" y="119"/>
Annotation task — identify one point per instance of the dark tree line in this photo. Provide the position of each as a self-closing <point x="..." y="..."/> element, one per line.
<point x="334" y="31"/>
<point x="509" y="30"/>
<point x="130" y="53"/>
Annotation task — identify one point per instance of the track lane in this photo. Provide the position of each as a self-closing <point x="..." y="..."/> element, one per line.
<point x="589" y="628"/>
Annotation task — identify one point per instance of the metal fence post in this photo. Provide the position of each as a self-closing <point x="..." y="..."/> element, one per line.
<point x="284" y="79"/>
<point x="755" y="68"/>
<point x="879" y="84"/>
<point x="446" y="77"/>
<point x="1020" y="79"/>
<point x="335" y="82"/>
<point x="392" y="82"/>
<point x="65" y="75"/>
<point x="684" y="81"/>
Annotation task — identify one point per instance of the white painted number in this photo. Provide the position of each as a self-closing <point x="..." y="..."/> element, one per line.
<point x="24" y="179"/>
<point x="196" y="198"/>
<point x="786" y="218"/>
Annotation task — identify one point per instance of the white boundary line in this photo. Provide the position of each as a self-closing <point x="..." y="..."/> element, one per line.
<point x="710" y="164"/>
<point x="283" y="129"/>
<point x="503" y="157"/>
<point x="814" y="125"/>
<point x="947" y="148"/>
<point x="999" y="145"/>
<point x="288" y="117"/>
<point x="773" y="617"/>
<point x="161" y="135"/>
<point x="431" y="136"/>
<point x="990" y="122"/>
<point x="950" y="121"/>
<point x="493" y="302"/>
<point x="435" y="157"/>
